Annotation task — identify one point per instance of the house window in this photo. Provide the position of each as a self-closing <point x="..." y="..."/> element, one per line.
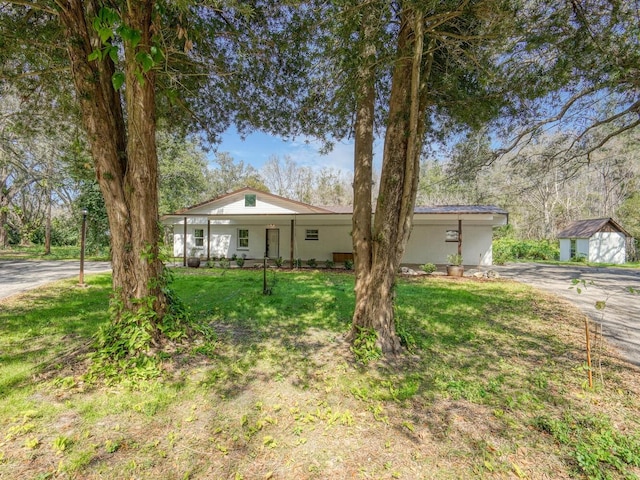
<point x="250" y="200"/>
<point x="573" y="249"/>
<point x="198" y="235"/>
<point x="243" y="238"/>
<point x="311" y="235"/>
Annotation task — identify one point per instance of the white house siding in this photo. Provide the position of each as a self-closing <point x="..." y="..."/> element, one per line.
<point x="607" y="247"/>
<point x="427" y="244"/>
<point x="229" y="213"/>
<point x="224" y="238"/>
<point x="330" y="239"/>
<point x="235" y="204"/>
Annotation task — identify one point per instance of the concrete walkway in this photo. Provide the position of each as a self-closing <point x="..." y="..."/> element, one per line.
<point x="17" y="276"/>
<point x="620" y="318"/>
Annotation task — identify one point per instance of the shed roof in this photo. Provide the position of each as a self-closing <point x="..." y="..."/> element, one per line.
<point x="587" y="228"/>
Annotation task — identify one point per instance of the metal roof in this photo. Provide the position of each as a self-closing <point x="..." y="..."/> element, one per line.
<point x="587" y="228"/>
<point x="437" y="209"/>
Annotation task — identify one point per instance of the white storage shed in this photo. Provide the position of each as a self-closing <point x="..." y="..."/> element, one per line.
<point x="599" y="240"/>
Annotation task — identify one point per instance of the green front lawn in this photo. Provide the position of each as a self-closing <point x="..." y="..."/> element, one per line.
<point x="492" y="385"/>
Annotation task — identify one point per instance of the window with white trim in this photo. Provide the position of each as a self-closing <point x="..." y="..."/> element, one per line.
<point x="198" y="235"/>
<point x="243" y="238"/>
<point x="311" y="234"/>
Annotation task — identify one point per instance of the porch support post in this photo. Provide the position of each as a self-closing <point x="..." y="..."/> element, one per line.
<point x="292" y="241"/>
<point x="184" y="244"/>
<point x="208" y="239"/>
<point x="459" y="237"/>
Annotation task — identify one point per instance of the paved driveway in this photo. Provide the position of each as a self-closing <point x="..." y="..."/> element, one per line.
<point x="621" y="317"/>
<point x="18" y="276"/>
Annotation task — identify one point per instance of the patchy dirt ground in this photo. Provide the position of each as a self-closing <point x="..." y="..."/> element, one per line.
<point x="270" y="404"/>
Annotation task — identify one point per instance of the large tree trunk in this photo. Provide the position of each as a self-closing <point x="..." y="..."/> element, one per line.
<point x="124" y="155"/>
<point x="379" y="252"/>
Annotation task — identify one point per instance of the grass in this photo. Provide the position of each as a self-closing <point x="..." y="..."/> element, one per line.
<point x="492" y="386"/>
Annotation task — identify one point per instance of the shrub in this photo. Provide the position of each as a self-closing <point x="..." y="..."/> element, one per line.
<point x="278" y="261"/>
<point x="312" y="262"/>
<point x="329" y="264"/>
<point x="428" y="268"/>
<point x="509" y="249"/>
<point x="581" y="258"/>
<point x="240" y="261"/>
<point x="348" y="265"/>
<point x="454" y="259"/>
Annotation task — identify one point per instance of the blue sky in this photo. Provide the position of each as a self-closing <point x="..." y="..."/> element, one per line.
<point x="257" y="148"/>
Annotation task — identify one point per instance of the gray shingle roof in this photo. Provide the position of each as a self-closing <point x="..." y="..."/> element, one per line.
<point x="461" y="209"/>
<point x="586" y="228"/>
<point x="450" y="209"/>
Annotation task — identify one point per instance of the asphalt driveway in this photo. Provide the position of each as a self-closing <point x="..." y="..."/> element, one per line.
<point x="620" y="318"/>
<point x="17" y="276"/>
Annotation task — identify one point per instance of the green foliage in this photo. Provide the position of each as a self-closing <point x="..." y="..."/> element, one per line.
<point x="348" y="265"/>
<point x="472" y="347"/>
<point x="365" y="346"/>
<point x="279" y="262"/>
<point x="312" y="263"/>
<point x="428" y="268"/>
<point x="240" y="261"/>
<point x="182" y="171"/>
<point x="90" y="197"/>
<point x="61" y="443"/>
<point x="64" y="232"/>
<point x="329" y="264"/>
<point x="126" y="346"/>
<point x="454" y="259"/>
<point x="508" y="249"/>
<point x="599" y="450"/>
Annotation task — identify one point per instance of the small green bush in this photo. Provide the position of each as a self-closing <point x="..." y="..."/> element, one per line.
<point x="428" y="268"/>
<point x="454" y="259"/>
<point x="312" y="263"/>
<point x="348" y="265"/>
<point x="329" y="264"/>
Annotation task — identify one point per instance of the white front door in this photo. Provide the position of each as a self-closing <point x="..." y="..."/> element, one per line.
<point x="273" y="242"/>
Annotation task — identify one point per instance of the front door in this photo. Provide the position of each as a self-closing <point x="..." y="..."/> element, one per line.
<point x="273" y="242"/>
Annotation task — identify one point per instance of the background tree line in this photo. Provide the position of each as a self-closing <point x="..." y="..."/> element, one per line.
<point x="535" y="185"/>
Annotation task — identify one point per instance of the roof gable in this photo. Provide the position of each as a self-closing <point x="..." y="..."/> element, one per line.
<point x="587" y="228"/>
<point x="249" y="201"/>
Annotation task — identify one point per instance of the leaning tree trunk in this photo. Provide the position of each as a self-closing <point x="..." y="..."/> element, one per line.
<point x="375" y="278"/>
<point x="124" y="155"/>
